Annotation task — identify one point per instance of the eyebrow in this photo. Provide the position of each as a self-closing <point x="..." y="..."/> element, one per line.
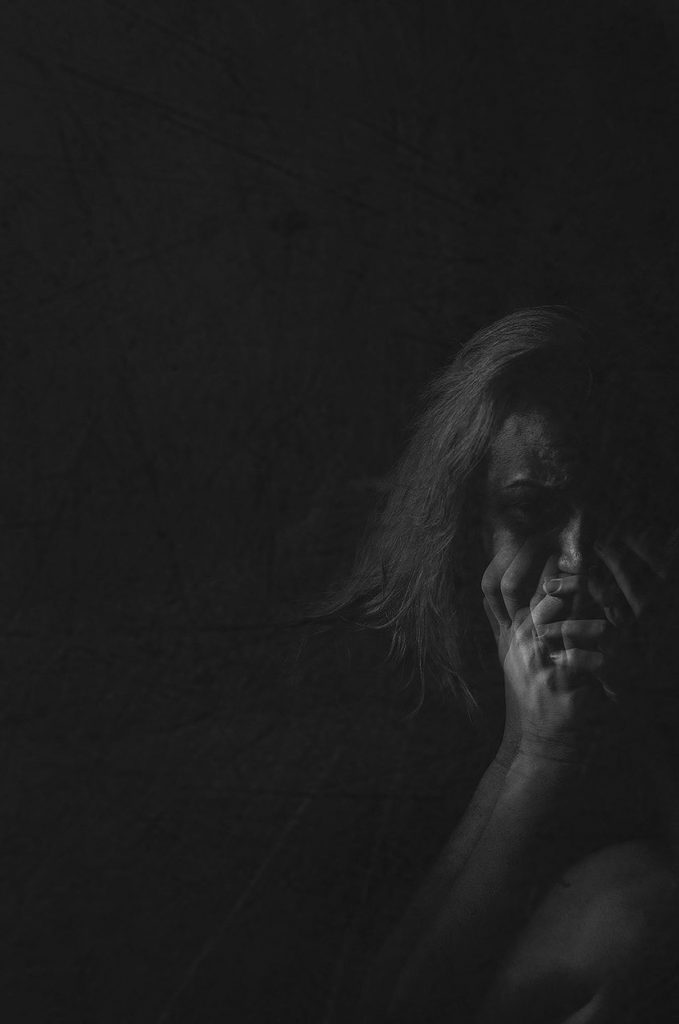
<point x="531" y="482"/>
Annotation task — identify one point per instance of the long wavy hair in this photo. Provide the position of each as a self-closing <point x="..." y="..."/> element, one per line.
<point x="417" y="574"/>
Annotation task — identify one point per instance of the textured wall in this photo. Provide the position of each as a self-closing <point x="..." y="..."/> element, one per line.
<point x="237" y="238"/>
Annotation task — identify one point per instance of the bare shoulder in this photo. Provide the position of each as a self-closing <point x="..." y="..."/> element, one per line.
<point x="606" y="927"/>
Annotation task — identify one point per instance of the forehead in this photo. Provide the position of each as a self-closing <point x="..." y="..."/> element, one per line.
<point x="534" y="444"/>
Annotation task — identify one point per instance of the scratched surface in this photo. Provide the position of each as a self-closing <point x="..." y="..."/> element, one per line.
<point x="237" y="239"/>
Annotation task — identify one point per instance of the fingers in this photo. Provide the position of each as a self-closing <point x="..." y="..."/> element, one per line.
<point x="563" y="586"/>
<point x="500" y="633"/>
<point x="548" y="607"/>
<point x="572" y="634"/>
<point x="648" y="553"/>
<point x="603" y="590"/>
<point x="510" y="580"/>
<point x="490" y="615"/>
<point x="579" y="662"/>
<point x="635" y="578"/>
<point x="492" y="596"/>
<point x="521" y="578"/>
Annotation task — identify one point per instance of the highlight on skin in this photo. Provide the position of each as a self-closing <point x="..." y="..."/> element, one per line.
<point x="524" y="551"/>
<point x="417" y="576"/>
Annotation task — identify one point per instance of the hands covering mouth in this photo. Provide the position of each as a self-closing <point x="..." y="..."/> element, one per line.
<point x="558" y="635"/>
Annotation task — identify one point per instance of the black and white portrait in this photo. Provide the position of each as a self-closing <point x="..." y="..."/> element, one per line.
<point x="339" y="512"/>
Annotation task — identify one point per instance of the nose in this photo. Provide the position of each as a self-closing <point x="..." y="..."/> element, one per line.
<point x="574" y="545"/>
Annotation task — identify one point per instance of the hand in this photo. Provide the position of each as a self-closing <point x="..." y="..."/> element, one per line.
<point x="632" y="589"/>
<point x="636" y="570"/>
<point x="550" y="660"/>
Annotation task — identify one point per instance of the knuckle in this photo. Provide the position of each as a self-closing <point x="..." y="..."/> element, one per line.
<point x="524" y="631"/>
<point x="568" y="630"/>
<point x="488" y="582"/>
<point x="508" y="585"/>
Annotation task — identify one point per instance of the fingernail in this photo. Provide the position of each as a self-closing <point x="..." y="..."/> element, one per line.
<point x="614" y="615"/>
<point x="551" y="586"/>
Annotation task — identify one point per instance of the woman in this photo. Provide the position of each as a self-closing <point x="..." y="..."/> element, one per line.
<point x="520" y="559"/>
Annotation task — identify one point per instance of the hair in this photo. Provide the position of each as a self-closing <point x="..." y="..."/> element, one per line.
<point x="417" y="574"/>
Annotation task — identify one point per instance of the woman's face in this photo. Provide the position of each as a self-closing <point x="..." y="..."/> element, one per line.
<point x="549" y="502"/>
<point x="539" y="490"/>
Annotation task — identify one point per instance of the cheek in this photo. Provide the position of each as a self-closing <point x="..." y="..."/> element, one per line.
<point x="500" y="534"/>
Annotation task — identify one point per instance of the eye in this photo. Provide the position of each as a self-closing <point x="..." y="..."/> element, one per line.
<point x="535" y="508"/>
<point x="525" y="511"/>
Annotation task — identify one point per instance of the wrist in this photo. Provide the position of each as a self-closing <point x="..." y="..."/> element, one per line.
<point x="549" y="757"/>
<point x="529" y="747"/>
<point x="507" y="752"/>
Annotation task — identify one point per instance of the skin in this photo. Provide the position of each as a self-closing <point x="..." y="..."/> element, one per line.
<point x="534" y="463"/>
<point x="536" y="528"/>
<point x="558" y="652"/>
<point x="562" y="592"/>
<point x="540" y="523"/>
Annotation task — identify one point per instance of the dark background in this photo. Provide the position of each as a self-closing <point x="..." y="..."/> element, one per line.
<point x="237" y="239"/>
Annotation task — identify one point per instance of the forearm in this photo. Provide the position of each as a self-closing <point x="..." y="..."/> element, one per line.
<point x="436" y="887"/>
<point x="456" y="853"/>
<point x="475" y="897"/>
